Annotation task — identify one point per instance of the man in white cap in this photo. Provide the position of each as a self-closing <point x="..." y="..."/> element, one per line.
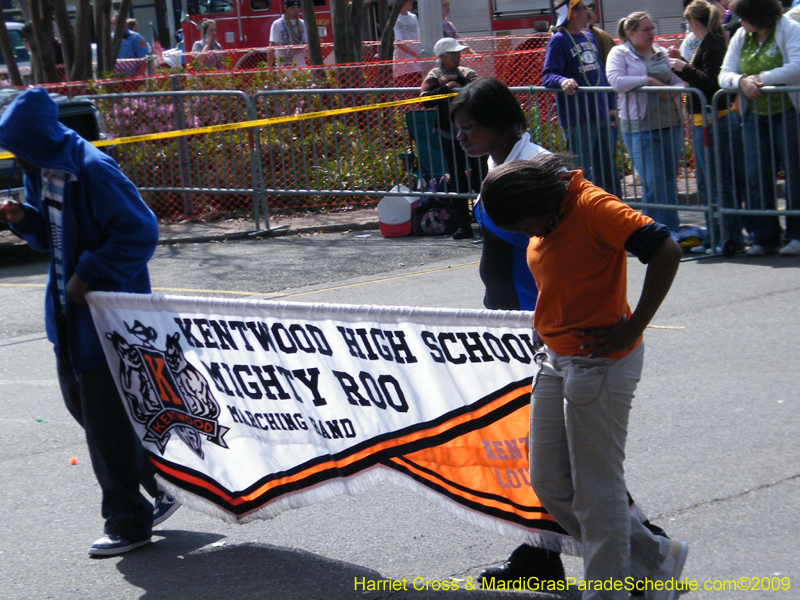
<point x="449" y="76"/>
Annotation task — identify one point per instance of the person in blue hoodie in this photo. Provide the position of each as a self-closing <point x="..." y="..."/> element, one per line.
<point x="589" y="120"/>
<point x="82" y="210"/>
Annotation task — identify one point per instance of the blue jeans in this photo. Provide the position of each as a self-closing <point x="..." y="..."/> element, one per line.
<point x="595" y="145"/>
<point x="769" y="142"/>
<point x="656" y="157"/>
<point x="118" y="459"/>
<point x="730" y="138"/>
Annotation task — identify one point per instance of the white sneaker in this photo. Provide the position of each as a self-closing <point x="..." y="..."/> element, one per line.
<point x="697" y="249"/>
<point x="756" y="250"/>
<point x="791" y="249"/>
<point x="669" y="571"/>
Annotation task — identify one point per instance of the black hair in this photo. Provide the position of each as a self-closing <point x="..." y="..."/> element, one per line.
<point x="490" y="104"/>
<point x="524" y="189"/>
<point x="761" y="14"/>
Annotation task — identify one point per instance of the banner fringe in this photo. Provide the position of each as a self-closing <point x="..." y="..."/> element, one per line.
<point x="360" y="483"/>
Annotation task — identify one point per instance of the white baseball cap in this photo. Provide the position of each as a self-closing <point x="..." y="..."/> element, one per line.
<point x="446" y="45"/>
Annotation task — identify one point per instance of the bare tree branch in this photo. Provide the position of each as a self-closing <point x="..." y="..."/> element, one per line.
<point x="8" y="54"/>
<point x="312" y="32"/>
<point x="387" y="37"/>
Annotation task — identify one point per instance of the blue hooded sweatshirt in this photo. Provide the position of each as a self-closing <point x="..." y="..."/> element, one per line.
<point x="108" y="233"/>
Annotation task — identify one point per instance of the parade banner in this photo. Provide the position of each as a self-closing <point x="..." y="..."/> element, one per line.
<point x="250" y="408"/>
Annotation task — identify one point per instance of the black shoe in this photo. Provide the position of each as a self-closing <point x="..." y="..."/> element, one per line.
<point x="525" y="562"/>
<point x="463" y="234"/>
<point x="656" y="530"/>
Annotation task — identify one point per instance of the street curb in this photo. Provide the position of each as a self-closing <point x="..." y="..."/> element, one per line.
<point x="24" y="251"/>
<point x="279" y="231"/>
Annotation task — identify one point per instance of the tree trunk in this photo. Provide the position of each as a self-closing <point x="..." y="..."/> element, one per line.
<point x="8" y="53"/>
<point x="341" y="36"/>
<point x="310" y="17"/>
<point x="42" y="18"/>
<point x="356" y="19"/>
<point x="81" y="69"/>
<point x="381" y="13"/>
<point x="119" y="30"/>
<point x="67" y="35"/>
<point x="387" y="36"/>
<point x="102" y="37"/>
<point x="348" y="17"/>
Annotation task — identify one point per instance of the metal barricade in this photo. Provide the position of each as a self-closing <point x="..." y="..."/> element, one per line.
<point x="349" y="153"/>
<point x="757" y="158"/>
<point x="189" y="175"/>
<point x="651" y="169"/>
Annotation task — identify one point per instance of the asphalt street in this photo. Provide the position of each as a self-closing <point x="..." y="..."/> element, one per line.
<point x="713" y="449"/>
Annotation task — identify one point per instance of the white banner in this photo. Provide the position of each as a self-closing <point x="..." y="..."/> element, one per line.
<point x="253" y="407"/>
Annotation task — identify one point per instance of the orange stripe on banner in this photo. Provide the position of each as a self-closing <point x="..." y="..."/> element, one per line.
<point x="392" y="444"/>
<point x="491" y="461"/>
<point x="536" y="512"/>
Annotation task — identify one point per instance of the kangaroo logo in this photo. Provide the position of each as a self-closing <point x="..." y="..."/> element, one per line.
<point x="165" y="392"/>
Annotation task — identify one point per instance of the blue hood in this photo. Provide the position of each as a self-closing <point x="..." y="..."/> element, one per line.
<point x="30" y="130"/>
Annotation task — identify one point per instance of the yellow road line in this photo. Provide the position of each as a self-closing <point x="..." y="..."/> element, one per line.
<point x="350" y="285"/>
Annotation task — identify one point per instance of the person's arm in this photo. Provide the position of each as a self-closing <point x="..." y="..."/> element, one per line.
<point x="129" y="226"/>
<point x="729" y="74"/>
<point x="789" y="73"/>
<point x="141" y="47"/>
<point x="706" y="80"/>
<point x="432" y="85"/>
<point x="26" y="220"/>
<point x="617" y="73"/>
<point x="274" y="37"/>
<point x="408" y="49"/>
<point x="11" y="212"/>
<point x="555" y="65"/>
<point x="661" y="269"/>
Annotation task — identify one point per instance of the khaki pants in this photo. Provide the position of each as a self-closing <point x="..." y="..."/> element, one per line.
<point x="579" y="425"/>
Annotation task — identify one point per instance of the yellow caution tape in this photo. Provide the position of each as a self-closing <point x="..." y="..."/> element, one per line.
<point x="257" y="123"/>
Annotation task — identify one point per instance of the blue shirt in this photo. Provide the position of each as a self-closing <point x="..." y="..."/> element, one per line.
<point x="133" y="46"/>
<point x="578" y="61"/>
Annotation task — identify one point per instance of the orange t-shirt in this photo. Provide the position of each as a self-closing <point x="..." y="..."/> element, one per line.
<point x="580" y="267"/>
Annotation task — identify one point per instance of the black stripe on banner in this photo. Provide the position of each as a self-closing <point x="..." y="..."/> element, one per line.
<point x="369" y="461"/>
<point x="402" y="460"/>
<point x="542" y="524"/>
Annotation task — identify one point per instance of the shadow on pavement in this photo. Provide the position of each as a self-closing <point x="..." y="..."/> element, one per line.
<point x="183" y="567"/>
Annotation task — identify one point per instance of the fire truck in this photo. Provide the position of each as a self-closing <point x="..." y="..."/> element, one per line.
<point x="246" y="23"/>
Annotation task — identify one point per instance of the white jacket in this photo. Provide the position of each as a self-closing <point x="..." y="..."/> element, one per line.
<point x="626" y="72"/>
<point x="787" y="36"/>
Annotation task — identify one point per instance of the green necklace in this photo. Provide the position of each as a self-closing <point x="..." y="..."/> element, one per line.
<point x="580" y="62"/>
